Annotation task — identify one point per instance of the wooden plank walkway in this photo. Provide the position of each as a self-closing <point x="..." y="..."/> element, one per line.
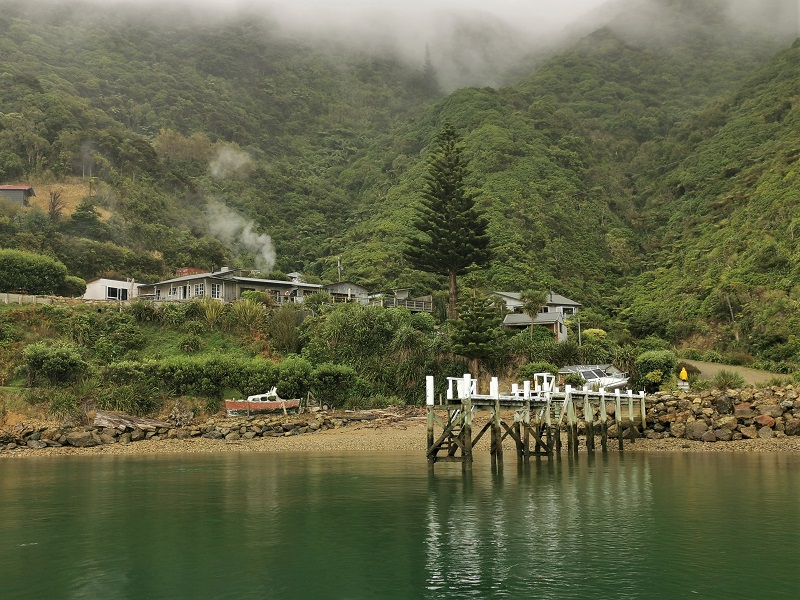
<point x="540" y="412"/>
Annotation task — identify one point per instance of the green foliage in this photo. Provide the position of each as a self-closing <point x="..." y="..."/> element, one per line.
<point x="213" y="312"/>
<point x="294" y="377"/>
<point x="332" y="384"/>
<point x="140" y="397"/>
<point x="654" y="367"/>
<point x="454" y="232"/>
<point x="575" y="380"/>
<point x="284" y="326"/>
<point x="256" y="376"/>
<point x="246" y="314"/>
<point x="191" y="343"/>
<point x="53" y="365"/>
<point x="725" y="379"/>
<point x="527" y="371"/>
<point x="32" y="273"/>
<point x="143" y="312"/>
<point x="72" y="287"/>
<point x="478" y="334"/>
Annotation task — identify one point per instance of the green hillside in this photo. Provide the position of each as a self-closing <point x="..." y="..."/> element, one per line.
<point x="646" y="172"/>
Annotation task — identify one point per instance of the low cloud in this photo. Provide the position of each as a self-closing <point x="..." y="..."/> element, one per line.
<point x="240" y="235"/>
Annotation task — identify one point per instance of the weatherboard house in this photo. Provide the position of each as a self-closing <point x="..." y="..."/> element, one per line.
<point x="553" y="312"/>
<point x="226" y="285"/>
<point x="16" y="194"/>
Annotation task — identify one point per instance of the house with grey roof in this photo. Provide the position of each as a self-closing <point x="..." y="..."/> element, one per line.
<point x="554" y="322"/>
<point x="226" y="285"/>
<point x="16" y="194"/>
<point x="553" y="313"/>
<point x="553" y="303"/>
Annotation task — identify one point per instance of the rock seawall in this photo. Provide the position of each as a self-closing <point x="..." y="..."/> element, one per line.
<point x="724" y="415"/>
<point x="36" y="436"/>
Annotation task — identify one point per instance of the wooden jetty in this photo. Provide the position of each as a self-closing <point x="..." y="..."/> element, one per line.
<point x="540" y="411"/>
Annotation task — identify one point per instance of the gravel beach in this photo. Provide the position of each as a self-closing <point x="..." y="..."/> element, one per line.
<point x="407" y="434"/>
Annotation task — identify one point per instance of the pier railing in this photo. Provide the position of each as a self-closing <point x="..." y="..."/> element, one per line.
<point x="540" y="411"/>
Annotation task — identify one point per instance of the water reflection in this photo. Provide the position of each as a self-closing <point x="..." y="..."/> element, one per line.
<point x="364" y="526"/>
<point x="551" y="526"/>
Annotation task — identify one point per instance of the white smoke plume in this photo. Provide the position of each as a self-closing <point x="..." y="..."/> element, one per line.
<point x="230" y="162"/>
<point x="231" y="228"/>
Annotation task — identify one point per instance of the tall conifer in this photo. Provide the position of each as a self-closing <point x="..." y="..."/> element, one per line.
<point x="452" y="230"/>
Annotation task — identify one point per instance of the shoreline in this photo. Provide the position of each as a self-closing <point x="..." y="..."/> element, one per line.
<point x="407" y="435"/>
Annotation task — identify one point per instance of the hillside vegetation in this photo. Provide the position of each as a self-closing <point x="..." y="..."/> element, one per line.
<point x="646" y="172"/>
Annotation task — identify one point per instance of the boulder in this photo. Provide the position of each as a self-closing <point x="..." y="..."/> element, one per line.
<point x="724" y="405"/>
<point x="82" y="439"/>
<point x="107" y="439"/>
<point x="695" y="430"/>
<point x="749" y="433"/>
<point x="792" y="426"/>
<point x="765" y="421"/>
<point x="232" y="437"/>
<point x="743" y="411"/>
<point x="137" y="434"/>
<point x="766" y="433"/>
<point x="724" y="435"/>
<point x="726" y="422"/>
<point x="677" y="430"/>
<point x="772" y="410"/>
<point x="708" y="436"/>
<point x="36" y="444"/>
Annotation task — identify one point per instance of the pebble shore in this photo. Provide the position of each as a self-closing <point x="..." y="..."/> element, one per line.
<point x="404" y="434"/>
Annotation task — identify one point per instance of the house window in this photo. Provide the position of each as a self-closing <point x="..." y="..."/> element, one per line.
<point x="568" y="310"/>
<point x="173" y="292"/>
<point x="545" y="309"/>
<point x="158" y="293"/>
<point x="113" y="293"/>
<point x="199" y="289"/>
<point x="216" y="291"/>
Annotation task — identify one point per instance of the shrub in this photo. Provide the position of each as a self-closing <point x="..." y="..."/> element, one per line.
<point x="143" y="312"/>
<point x="64" y="405"/>
<point x="691" y="354"/>
<point x="213" y="312"/>
<point x="527" y="371"/>
<point x="332" y="384"/>
<point x="136" y="398"/>
<point x="252" y="377"/>
<point x="725" y="380"/>
<point x="72" y="287"/>
<point x="294" y="377"/>
<point x="648" y="364"/>
<point x="53" y="365"/>
<point x="33" y="273"/>
<point x="191" y="343"/>
<point x="713" y="356"/>
<point x="575" y="380"/>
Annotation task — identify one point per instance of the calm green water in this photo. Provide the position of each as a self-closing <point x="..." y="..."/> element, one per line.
<point x="355" y="526"/>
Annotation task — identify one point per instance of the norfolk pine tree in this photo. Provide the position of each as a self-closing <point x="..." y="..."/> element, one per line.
<point x="453" y="232"/>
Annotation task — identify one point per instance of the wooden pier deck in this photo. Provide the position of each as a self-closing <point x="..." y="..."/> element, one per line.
<point x="540" y="412"/>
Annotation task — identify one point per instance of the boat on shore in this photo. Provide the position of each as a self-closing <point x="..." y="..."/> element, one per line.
<point x="261" y="404"/>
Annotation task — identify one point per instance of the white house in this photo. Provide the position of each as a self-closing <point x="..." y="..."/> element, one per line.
<point x="111" y="289"/>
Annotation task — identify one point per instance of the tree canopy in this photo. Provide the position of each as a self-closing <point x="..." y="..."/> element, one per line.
<point x="453" y="231"/>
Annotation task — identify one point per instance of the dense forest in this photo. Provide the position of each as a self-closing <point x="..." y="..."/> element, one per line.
<point x="648" y="172"/>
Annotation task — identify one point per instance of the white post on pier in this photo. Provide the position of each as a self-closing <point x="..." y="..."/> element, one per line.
<point x="429" y="392"/>
<point x="494" y="389"/>
<point x="465" y="387"/>
<point x="644" y="419"/>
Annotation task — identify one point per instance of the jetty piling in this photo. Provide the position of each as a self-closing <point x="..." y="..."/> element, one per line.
<point x="539" y="410"/>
